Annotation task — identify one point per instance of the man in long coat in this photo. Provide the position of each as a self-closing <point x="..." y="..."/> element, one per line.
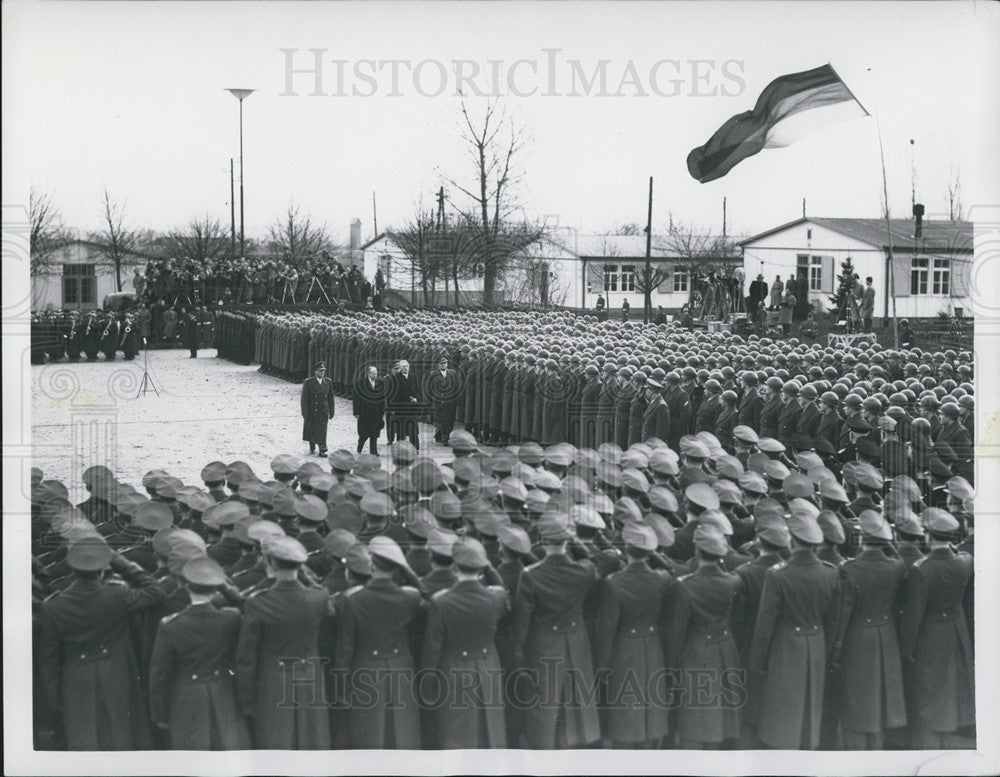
<point x="442" y="387"/>
<point x="317" y="408"/>
<point x="192" y="692"/>
<point x="368" y="398"/>
<point x="459" y="646"/>
<point x="403" y="405"/>
<point x="798" y="609"/>
<point x="934" y="638"/>
<point x="656" y="416"/>
<point x="279" y="675"/>
<point x="867" y="649"/>
<point x="550" y="641"/>
<point x="87" y="659"/>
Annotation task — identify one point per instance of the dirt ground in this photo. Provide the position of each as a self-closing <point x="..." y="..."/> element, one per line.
<point x="207" y="408"/>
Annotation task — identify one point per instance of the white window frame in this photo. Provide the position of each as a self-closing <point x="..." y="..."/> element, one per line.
<point x="611" y="277"/>
<point x="919" y="276"/>
<point x="628" y="277"/>
<point x="682" y="280"/>
<point x="941" y="277"/>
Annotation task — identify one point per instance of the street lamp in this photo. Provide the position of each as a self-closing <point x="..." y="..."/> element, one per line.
<point x="241" y="94"/>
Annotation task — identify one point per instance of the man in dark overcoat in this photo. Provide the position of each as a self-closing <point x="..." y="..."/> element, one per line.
<point x="369" y="409"/>
<point x="317" y="408"/>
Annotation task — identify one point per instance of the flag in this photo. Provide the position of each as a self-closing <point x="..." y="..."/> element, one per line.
<point x="790" y="107"/>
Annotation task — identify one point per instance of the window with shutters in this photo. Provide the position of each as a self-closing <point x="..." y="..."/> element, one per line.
<point x="918" y="276"/>
<point x="611" y="277"/>
<point x="941" y="279"/>
<point x="681" y="279"/>
<point x="628" y="277"/>
<point x="79" y="284"/>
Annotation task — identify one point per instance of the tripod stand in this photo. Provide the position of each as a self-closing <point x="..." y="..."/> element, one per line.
<point x="316" y="284"/>
<point x="147" y="381"/>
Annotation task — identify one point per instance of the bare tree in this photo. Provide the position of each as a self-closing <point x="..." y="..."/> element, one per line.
<point x="48" y="234"/>
<point x="955" y="209"/>
<point x="120" y="245"/>
<point x="202" y="243"/>
<point x="490" y="206"/>
<point x="425" y="256"/>
<point x="698" y="250"/>
<point x="295" y="237"/>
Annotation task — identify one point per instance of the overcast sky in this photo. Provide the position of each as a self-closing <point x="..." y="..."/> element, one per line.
<point x="132" y="97"/>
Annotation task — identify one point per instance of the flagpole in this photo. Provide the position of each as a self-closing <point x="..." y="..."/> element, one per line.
<point x="888" y="229"/>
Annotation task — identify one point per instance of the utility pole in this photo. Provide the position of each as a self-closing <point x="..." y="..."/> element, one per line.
<point x="374" y="214"/>
<point x="232" y="208"/>
<point x="723" y="217"/>
<point x="647" y="285"/>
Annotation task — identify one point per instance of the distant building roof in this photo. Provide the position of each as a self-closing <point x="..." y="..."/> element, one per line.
<point x="948" y="236"/>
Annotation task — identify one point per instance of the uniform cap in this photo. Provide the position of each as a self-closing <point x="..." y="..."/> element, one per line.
<point x="609" y="474"/>
<point x="869" y="477"/>
<point x="213" y="472"/>
<point x="386" y="549"/>
<point x="693" y="448"/>
<point x="469" y="552"/>
<point x="663" y="462"/>
<point x="89" y="554"/>
<point x="260" y="530"/>
<point x="776" y="471"/>
<point x="466" y="469"/>
<point x="703" y="495"/>
<point x="338" y="542"/>
<point x="776" y="533"/>
<point x="514" y="538"/>
<point x="587" y="516"/>
<point x="960" y="488"/>
<point x="609" y="452"/>
<point x="641" y="536"/>
<point x="341" y="460"/>
<point x="548" y="481"/>
<point x="311" y="508"/>
<point x="710" y="539"/>
<point x="770" y="445"/>
<point x="403" y="452"/>
<point x="346" y="515"/>
<point x="445" y="506"/>
<point x="554" y="527"/>
<point x="752" y="483"/>
<point x="729" y="493"/>
<point x="558" y="456"/>
<point x="729" y="467"/>
<point x="358" y="559"/>
<point x="665" y="535"/>
<point x="938" y="521"/>
<point x="531" y="453"/>
<point x="663" y="499"/>
<point x="829" y="524"/>
<point x="807" y="460"/>
<point x="717" y="519"/>
<point x="832" y="490"/>
<point x="440" y="542"/>
<point x="322" y="481"/>
<point x="203" y="571"/>
<point x="285" y="549"/>
<point x="426" y="475"/>
<point x="635" y="480"/>
<point x="377" y="505"/>
<point x="874" y="525"/>
<point x="358" y="486"/>
<point x="797" y="485"/>
<point x="152" y="476"/>
<point x="460" y="440"/>
<point x="804" y="527"/>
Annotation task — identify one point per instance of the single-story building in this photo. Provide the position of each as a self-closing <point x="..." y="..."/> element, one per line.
<point x="929" y="273"/>
<point x="77" y="275"/>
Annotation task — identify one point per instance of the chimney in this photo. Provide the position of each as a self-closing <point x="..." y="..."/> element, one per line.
<point x="355" y="234"/>
<point x="918" y="214"/>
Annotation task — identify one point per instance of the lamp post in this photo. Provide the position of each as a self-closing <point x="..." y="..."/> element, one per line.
<point x="241" y="94"/>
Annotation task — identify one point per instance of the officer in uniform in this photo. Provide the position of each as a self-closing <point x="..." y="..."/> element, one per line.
<point x="798" y="609"/>
<point x="279" y="677"/>
<point x="375" y="629"/>
<point x="459" y="645"/>
<point x="85" y="654"/>
<point x="934" y="640"/>
<point x="192" y="691"/>
<point x="317" y="408"/>
<point x="770" y="412"/>
<point x="550" y="641"/>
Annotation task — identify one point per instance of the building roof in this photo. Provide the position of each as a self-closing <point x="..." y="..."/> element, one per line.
<point x="946" y="236"/>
